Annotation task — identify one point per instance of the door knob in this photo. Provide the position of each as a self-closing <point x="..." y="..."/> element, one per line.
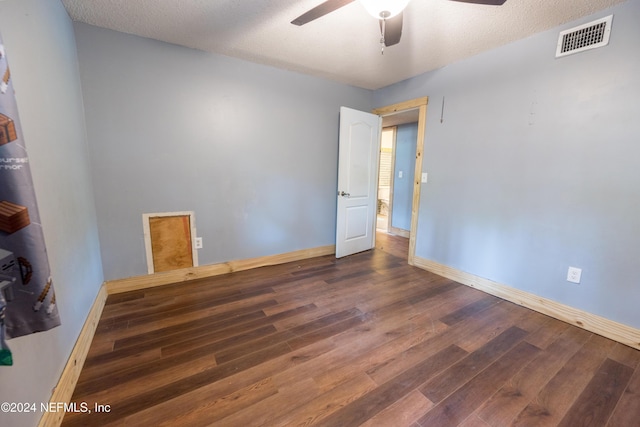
<point x="343" y="194"/>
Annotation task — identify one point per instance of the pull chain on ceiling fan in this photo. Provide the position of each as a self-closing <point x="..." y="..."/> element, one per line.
<point x="383" y="25"/>
<point x="385" y="10"/>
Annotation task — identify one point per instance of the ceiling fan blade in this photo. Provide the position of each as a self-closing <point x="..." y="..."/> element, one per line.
<point x="392" y="30"/>
<point x="320" y="10"/>
<point x="487" y="2"/>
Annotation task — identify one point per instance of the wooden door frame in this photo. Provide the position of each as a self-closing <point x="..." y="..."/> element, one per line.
<point x="147" y="235"/>
<point x="421" y="105"/>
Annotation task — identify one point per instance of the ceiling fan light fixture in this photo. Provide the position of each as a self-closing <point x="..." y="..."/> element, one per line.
<point x="384" y="9"/>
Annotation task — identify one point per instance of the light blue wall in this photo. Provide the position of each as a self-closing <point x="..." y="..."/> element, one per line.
<point x="252" y="150"/>
<point x="40" y="44"/>
<point x="405" y="161"/>
<point x="535" y="167"/>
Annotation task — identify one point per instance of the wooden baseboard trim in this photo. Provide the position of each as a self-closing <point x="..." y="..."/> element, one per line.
<point x="203" y="271"/>
<point x="599" y="325"/>
<point x="71" y="372"/>
<point x="400" y="232"/>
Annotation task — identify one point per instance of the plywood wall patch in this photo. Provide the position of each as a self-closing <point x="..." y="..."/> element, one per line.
<point x="169" y="241"/>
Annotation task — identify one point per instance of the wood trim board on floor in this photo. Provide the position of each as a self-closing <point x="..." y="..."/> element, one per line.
<point x="71" y="372"/>
<point x="175" y="276"/>
<point x="599" y="325"/>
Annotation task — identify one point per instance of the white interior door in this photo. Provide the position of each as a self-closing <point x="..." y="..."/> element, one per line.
<point x="358" y="156"/>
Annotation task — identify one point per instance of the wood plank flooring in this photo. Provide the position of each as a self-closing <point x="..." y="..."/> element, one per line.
<point x="364" y="340"/>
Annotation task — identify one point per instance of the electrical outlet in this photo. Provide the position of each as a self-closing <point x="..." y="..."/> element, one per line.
<point x="574" y="274"/>
<point x="198" y="242"/>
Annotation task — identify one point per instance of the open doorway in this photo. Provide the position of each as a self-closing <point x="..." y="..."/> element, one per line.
<point x="397" y="172"/>
<point x="412" y="112"/>
<point x="385" y="179"/>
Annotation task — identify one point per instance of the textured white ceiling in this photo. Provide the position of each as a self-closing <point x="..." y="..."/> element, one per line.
<point x="344" y="45"/>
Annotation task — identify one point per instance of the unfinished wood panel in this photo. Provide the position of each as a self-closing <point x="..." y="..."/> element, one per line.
<point x="171" y="242"/>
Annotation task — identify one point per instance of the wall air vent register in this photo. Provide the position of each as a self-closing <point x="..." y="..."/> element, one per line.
<point x="588" y="36"/>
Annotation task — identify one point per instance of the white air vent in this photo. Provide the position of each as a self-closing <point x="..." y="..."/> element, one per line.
<point x="588" y="36"/>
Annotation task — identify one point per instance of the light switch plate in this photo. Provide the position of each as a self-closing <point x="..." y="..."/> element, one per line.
<point x="424" y="177"/>
<point x="400" y="174"/>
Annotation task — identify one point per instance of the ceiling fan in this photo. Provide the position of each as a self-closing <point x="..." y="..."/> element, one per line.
<point x="388" y="12"/>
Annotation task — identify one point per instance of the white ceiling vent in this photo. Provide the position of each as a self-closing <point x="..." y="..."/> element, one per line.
<point x="588" y="36"/>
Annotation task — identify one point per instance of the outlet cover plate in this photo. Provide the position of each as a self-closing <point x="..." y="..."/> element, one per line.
<point x="198" y="242"/>
<point x="574" y="274"/>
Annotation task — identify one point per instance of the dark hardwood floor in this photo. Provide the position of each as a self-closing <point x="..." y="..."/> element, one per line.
<point x="363" y="340"/>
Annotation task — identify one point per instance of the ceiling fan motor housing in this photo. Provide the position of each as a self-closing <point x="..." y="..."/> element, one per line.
<point x="384" y="9"/>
